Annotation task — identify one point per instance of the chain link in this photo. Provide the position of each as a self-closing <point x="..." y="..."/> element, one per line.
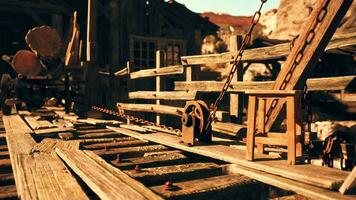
<point x="235" y="63"/>
<point x="121" y="114"/>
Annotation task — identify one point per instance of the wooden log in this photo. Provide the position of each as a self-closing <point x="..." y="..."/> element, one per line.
<point x="229" y="128"/>
<point x="163" y="71"/>
<point x="308" y="47"/>
<point x="313" y="84"/>
<point x="105" y="180"/>
<point x="171" y="95"/>
<point x="168" y="110"/>
<point x="310" y="174"/>
<point x="264" y="53"/>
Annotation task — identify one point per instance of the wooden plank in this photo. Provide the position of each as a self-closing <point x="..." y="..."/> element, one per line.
<point x="159" y="175"/>
<point x="44" y="176"/>
<point x="166" y="95"/>
<point x="264" y="53"/>
<point x="287" y="184"/>
<point x="105" y="180"/>
<point x="164" y="71"/>
<point x="314" y="175"/>
<point x="305" y="53"/>
<point x="159" y="63"/>
<point x="35" y="123"/>
<point x="350" y="183"/>
<point x="223" y="186"/>
<point x="162" y="109"/>
<point x="313" y="84"/>
<point x="48" y="145"/>
<point x="99" y="121"/>
<point x="53" y="130"/>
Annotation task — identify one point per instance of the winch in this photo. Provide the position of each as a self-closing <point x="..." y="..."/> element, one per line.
<point x="195" y="125"/>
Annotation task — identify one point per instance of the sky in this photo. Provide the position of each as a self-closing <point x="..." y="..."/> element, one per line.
<point x="232" y="7"/>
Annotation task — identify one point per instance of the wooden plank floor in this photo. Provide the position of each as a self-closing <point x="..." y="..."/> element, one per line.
<point x="119" y="162"/>
<point x="310" y="174"/>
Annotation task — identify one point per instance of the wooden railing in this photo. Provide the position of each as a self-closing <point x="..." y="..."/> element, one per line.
<point x="188" y="89"/>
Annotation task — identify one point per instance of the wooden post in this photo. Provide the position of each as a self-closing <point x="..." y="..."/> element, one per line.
<point x="304" y="55"/>
<point x="91" y="30"/>
<point x="236" y="100"/>
<point x="159" y="64"/>
<point x="291" y="129"/>
<point x="252" y="104"/>
<point x="91" y="57"/>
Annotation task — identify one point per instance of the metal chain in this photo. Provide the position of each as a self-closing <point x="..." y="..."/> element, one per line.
<point x="121" y="114"/>
<point x="299" y="56"/>
<point x="235" y="63"/>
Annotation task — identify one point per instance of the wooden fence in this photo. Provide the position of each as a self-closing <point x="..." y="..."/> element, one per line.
<point x="188" y="89"/>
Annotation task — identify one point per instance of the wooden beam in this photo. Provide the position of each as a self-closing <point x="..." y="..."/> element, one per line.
<point x="171" y="95"/>
<point x="286" y="184"/>
<point x="105" y="180"/>
<point x="236" y="100"/>
<point x="264" y="53"/>
<point x="308" y="47"/>
<point x="313" y="84"/>
<point x="163" y="71"/>
<point x="350" y="183"/>
<point x="162" y="109"/>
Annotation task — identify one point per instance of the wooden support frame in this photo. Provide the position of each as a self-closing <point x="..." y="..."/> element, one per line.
<point x="293" y="138"/>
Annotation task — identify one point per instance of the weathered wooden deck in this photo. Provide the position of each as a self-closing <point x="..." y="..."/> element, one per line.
<point x="112" y="160"/>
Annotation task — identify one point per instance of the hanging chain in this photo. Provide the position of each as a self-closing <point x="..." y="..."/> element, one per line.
<point x="121" y="114"/>
<point x="299" y="56"/>
<point x="235" y="63"/>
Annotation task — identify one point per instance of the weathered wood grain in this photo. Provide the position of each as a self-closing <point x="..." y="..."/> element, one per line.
<point x="313" y="84"/>
<point x="163" y="71"/>
<point x="166" y="95"/>
<point x="44" y="176"/>
<point x="105" y="180"/>
<point x="162" y="109"/>
<point x="36" y="123"/>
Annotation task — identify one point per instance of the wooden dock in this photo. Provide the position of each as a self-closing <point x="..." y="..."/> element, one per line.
<point x="114" y="160"/>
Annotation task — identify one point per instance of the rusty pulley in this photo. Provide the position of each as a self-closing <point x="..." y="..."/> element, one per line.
<point x="195" y="126"/>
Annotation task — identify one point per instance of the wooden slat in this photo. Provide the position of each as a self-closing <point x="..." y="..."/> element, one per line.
<point x="50" y="131"/>
<point x="318" y="176"/>
<point x="304" y="56"/>
<point x="99" y="121"/>
<point x="169" y="110"/>
<point x="168" y="95"/>
<point x="159" y="175"/>
<point x="105" y="180"/>
<point x="264" y="53"/>
<point x="313" y="84"/>
<point x="164" y="71"/>
<point x="44" y="176"/>
<point x="287" y="184"/>
<point x="350" y="183"/>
